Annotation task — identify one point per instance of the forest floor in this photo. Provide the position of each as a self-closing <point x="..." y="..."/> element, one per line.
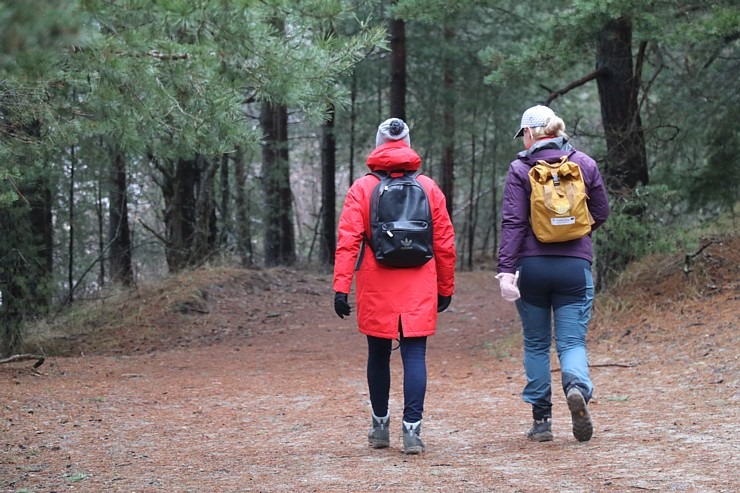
<point x="226" y="380"/>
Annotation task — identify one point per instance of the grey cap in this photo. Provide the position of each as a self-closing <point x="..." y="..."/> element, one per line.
<point x="536" y="116"/>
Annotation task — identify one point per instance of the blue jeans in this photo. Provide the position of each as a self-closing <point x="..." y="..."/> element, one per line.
<point x="558" y="289"/>
<point x="413" y="355"/>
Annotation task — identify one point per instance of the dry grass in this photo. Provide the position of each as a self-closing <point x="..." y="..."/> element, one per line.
<point x="148" y="311"/>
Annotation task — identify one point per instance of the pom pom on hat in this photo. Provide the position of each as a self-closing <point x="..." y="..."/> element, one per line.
<point x="536" y="116"/>
<point x="391" y="130"/>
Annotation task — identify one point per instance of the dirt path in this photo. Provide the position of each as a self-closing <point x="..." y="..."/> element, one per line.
<point x="275" y="400"/>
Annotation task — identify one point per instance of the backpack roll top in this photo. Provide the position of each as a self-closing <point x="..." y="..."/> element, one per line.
<point x="400" y="221"/>
<point x="558" y="202"/>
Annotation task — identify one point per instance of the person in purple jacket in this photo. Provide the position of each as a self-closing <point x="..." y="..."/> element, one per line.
<point x="550" y="281"/>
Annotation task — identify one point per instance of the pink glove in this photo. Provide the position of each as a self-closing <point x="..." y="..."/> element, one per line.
<point x="509" y="289"/>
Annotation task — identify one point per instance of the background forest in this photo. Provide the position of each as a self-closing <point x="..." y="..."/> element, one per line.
<point x="142" y="138"/>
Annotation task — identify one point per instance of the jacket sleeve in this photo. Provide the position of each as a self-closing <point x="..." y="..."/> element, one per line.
<point x="443" y="243"/>
<point x="514" y="220"/>
<point x="598" y="199"/>
<point x="349" y="236"/>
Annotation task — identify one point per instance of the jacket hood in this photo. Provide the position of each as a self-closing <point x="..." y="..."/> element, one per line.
<point x="393" y="156"/>
<point x="546" y="150"/>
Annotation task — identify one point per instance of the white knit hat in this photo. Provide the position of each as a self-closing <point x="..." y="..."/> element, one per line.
<point x="536" y="116"/>
<point x="392" y="129"/>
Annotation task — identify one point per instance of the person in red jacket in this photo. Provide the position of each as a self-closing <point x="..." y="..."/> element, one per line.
<point x="394" y="303"/>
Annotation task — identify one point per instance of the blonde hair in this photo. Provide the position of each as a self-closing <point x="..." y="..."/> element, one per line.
<point x="555" y="127"/>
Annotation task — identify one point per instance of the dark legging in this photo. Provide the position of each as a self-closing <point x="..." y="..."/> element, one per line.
<point x="413" y="355"/>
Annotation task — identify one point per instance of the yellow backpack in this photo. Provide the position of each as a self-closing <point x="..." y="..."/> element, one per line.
<point x="558" y="209"/>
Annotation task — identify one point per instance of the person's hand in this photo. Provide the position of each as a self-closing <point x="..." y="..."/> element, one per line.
<point x="443" y="302"/>
<point x="507" y="283"/>
<point x="341" y="306"/>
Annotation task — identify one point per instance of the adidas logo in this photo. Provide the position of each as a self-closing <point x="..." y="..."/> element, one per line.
<point x="406" y="244"/>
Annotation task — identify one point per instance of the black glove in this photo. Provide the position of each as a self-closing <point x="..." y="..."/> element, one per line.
<point x="341" y="306"/>
<point x="443" y="302"/>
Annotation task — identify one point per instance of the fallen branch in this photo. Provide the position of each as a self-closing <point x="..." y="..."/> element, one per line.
<point x="690" y="256"/>
<point x="605" y="365"/>
<point x="23" y="357"/>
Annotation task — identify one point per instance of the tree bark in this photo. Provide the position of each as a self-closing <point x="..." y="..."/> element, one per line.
<point x="204" y="231"/>
<point x="119" y="233"/>
<point x="448" y="124"/>
<point x="279" y="240"/>
<point x="618" y="86"/>
<point x="352" y="123"/>
<point x="398" y="68"/>
<point x="327" y="244"/>
<point x="71" y="244"/>
<point x="26" y="261"/>
<point x="100" y="216"/>
<point x="225" y="186"/>
<point x="178" y="188"/>
<point x="473" y="204"/>
<point x="26" y="250"/>
<point x="241" y="203"/>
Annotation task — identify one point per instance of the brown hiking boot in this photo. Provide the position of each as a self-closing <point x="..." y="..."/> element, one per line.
<point x="583" y="429"/>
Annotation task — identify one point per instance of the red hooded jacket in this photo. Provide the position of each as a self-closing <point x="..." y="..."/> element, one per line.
<point x="385" y="294"/>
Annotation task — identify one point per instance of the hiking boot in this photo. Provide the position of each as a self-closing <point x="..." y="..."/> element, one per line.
<point x="541" y="430"/>
<point x="412" y="443"/>
<point x="583" y="429"/>
<point x="380" y="436"/>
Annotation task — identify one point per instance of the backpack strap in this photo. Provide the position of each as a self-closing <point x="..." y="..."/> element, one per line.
<point x="361" y="255"/>
<point x="385" y="174"/>
<point x="378" y="174"/>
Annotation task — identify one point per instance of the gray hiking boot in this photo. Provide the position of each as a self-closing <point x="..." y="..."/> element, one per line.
<point x="583" y="429"/>
<point x="541" y="430"/>
<point x="379" y="435"/>
<point x="412" y="443"/>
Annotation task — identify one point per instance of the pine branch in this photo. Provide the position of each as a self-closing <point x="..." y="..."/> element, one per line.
<point x="576" y="83"/>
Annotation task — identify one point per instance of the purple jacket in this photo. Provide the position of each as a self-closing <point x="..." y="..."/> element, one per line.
<point x="517" y="238"/>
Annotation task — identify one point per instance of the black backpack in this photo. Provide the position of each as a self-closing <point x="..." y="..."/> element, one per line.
<point x="400" y="220"/>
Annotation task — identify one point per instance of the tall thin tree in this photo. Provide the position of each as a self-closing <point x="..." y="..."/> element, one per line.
<point x="328" y="190"/>
<point x="448" y="123"/>
<point x="279" y="239"/>
<point x="119" y="233"/>
<point x="398" y="68"/>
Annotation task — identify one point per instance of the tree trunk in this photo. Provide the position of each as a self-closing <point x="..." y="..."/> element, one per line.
<point x="121" y="269"/>
<point x="226" y="222"/>
<point x="328" y="191"/>
<point x="471" y="220"/>
<point x="204" y="229"/>
<point x="100" y="215"/>
<point x="26" y="261"/>
<point x="279" y="241"/>
<point x="352" y="123"/>
<point x="241" y="203"/>
<point x="71" y="244"/>
<point x="626" y="163"/>
<point x="398" y="69"/>
<point x="448" y="127"/>
<point x="179" y="216"/>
